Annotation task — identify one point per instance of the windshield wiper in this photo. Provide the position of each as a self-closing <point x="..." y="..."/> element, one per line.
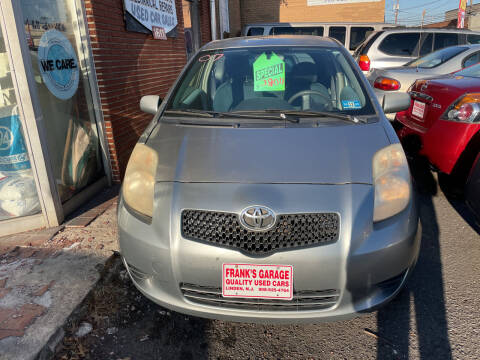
<point x="323" y="114"/>
<point x="217" y="114"/>
<point x="260" y="114"/>
<point x="191" y="112"/>
<point x="267" y="114"/>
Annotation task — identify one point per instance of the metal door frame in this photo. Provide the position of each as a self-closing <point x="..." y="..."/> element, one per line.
<point x="31" y="118"/>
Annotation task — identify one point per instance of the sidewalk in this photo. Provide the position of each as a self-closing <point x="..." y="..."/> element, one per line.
<point x="45" y="275"/>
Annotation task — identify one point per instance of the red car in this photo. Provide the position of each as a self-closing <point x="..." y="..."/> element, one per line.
<point x="444" y="121"/>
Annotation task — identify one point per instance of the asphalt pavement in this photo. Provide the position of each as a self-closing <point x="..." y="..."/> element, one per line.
<point x="435" y="317"/>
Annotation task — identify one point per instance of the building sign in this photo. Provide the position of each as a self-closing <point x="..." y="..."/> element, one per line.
<point x="159" y="33"/>
<point x="58" y="64"/>
<point x="156" y="17"/>
<point x="461" y="14"/>
<point x="336" y="2"/>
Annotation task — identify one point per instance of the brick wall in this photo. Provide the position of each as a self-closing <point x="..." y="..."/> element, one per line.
<point x="204" y="13"/>
<point x="128" y="66"/>
<point x="297" y="10"/>
<point x="234" y="17"/>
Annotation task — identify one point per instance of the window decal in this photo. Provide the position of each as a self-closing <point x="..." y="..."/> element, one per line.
<point x="351" y="104"/>
<point x="269" y="73"/>
<point x="58" y="64"/>
<point x="207" y="57"/>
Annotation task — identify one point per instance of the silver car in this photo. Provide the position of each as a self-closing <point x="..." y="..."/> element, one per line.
<point x="440" y="62"/>
<point x="351" y="35"/>
<point x="396" y="47"/>
<point x="269" y="187"/>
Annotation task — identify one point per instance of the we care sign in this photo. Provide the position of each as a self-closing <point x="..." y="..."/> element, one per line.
<point x="58" y="64"/>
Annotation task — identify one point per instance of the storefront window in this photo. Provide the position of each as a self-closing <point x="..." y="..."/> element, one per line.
<point x="18" y="192"/>
<point x="61" y="75"/>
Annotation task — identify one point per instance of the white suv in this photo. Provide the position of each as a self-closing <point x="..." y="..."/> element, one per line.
<point x="396" y="47"/>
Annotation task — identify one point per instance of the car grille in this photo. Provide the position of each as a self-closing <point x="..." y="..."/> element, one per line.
<point x="302" y="300"/>
<point x="290" y="231"/>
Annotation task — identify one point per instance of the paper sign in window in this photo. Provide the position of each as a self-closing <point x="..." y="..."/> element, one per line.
<point x="269" y="73"/>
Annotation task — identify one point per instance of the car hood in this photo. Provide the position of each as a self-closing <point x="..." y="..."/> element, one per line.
<point x="322" y="155"/>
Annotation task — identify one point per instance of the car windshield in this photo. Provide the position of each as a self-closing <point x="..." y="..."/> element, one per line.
<point x="437" y="58"/>
<point x="256" y="79"/>
<point x="472" y="71"/>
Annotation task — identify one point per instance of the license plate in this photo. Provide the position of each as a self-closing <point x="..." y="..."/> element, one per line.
<point x="418" y="109"/>
<point x="257" y="281"/>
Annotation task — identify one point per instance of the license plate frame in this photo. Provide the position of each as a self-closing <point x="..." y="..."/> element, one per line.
<point x="277" y="283"/>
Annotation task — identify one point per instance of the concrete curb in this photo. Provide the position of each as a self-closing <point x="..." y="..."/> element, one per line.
<point x="49" y="349"/>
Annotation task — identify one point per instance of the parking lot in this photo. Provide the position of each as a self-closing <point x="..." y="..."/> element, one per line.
<point x="435" y="316"/>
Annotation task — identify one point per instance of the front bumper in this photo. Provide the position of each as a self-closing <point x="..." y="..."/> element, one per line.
<point x="443" y="142"/>
<point x="367" y="266"/>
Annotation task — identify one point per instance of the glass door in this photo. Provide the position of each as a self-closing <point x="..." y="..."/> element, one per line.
<point x="18" y="192"/>
<point x="61" y="73"/>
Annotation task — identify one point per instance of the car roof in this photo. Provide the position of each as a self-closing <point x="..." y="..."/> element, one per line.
<point x="275" y="40"/>
<point x="418" y="29"/>
<point x="315" y="23"/>
<point x="470" y="46"/>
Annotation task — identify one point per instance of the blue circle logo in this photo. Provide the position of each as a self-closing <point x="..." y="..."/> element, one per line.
<point x="58" y="64"/>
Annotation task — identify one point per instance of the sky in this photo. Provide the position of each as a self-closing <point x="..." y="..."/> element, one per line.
<point x="410" y="12"/>
<point x="53" y="11"/>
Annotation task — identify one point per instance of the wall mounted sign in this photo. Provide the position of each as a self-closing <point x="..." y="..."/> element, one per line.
<point x="58" y="64"/>
<point x="336" y="2"/>
<point x="156" y="17"/>
<point x="159" y="33"/>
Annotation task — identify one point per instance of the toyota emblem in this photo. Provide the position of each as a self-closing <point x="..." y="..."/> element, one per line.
<point x="257" y="218"/>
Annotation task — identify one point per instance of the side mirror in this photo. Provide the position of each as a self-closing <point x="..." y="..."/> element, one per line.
<point x="393" y="103"/>
<point x="150" y="104"/>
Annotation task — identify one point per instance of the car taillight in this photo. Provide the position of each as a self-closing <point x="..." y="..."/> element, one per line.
<point x="466" y="109"/>
<point x="386" y="84"/>
<point x="364" y="63"/>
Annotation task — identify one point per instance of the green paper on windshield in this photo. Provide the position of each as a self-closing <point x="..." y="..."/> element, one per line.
<point x="269" y="74"/>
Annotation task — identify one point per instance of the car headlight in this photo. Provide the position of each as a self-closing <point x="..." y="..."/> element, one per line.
<point x="139" y="182"/>
<point x="466" y="109"/>
<point x="391" y="178"/>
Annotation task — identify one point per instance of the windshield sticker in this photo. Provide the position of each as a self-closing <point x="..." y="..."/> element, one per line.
<point x="351" y="104"/>
<point x="206" y="58"/>
<point x="269" y="73"/>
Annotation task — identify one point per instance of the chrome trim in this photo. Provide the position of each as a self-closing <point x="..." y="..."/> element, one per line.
<point x="302" y="300"/>
<point x="258" y="218"/>
<point x="416" y="94"/>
